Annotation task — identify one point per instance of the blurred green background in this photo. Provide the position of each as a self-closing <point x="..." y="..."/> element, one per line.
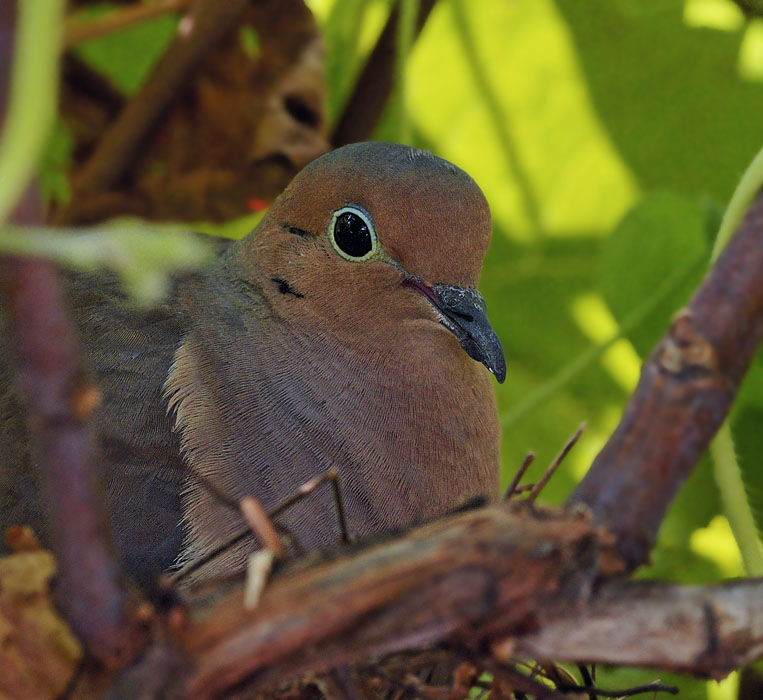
<point x="608" y="136"/>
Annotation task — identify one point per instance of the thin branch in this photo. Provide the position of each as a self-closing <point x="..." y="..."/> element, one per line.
<point x="593" y="691"/>
<point x="512" y="487"/>
<point x="78" y="30"/>
<point x="705" y="630"/>
<point x="555" y="464"/>
<point x="305" y="490"/>
<point x="259" y="522"/>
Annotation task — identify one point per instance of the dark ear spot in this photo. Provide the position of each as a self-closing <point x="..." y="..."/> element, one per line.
<point x="297" y="231"/>
<point x="285" y="288"/>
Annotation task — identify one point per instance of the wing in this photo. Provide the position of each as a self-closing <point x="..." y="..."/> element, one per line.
<point x="129" y="353"/>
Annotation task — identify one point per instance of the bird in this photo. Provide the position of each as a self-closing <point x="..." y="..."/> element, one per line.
<point x="345" y="332"/>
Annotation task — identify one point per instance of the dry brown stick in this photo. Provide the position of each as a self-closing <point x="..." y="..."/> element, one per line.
<point x="305" y="490"/>
<point x="201" y="29"/>
<point x="551" y="470"/>
<point x="684" y="393"/>
<point x="58" y="398"/>
<point x="78" y="30"/>
<point x="374" y="84"/>
<point x="513" y="486"/>
<point x="259" y="522"/>
<point x="495" y="579"/>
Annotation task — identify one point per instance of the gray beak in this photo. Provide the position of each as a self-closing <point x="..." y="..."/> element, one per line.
<point x="464" y="313"/>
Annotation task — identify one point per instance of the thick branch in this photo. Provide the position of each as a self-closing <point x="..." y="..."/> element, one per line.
<point x="500" y="584"/>
<point x="706" y="631"/>
<point x="474" y="577"/>
<point x="683" y="396"/>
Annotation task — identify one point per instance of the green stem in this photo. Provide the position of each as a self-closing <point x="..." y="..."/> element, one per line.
<point x="342" y="33"/>
<point x="406" y="31"/>
<point x="748" y="187"/>
<point x="592" y="354"/>
<point x="726" y="470"/>
<point x="33" y="94"/>
<point x="728" y="477"/>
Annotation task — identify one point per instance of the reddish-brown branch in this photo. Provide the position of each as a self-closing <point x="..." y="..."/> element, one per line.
<point x="200" y="30"/>
<point x="374" y="84"/>
<point x="683" y="396"/>
<point x="476" y="576"/>
<point x="58" y="399"/>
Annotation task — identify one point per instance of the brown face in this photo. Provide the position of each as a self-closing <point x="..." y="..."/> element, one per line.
<point x="375" y="234"/>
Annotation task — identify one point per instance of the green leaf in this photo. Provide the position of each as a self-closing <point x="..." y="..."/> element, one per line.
<point x="662" y="236"/>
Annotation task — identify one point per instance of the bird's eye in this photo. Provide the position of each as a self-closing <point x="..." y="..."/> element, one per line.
<point x="352" y="233"/>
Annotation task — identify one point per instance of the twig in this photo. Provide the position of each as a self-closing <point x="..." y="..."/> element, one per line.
<point x="518" y="681"/>
<point x="306" y="489"/>
<point x="261" y="525"/>
<point x="341" y="513"/>
<point x="512" y="488"/>
<point x="684" y="393"/>
<point x="587" y="679"/>
<point x="555" y="464"/>
<point x="78" y="30"/>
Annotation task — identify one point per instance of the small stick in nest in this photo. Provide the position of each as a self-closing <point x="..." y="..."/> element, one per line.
<point x="261" y="523"/>
<point x="513" y="487"/>
<point x="555" y="464"/>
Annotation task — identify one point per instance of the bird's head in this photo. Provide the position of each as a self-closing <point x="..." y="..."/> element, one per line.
<point x="374" y="234"/>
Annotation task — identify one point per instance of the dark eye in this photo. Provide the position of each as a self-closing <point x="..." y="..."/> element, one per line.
<point x="352" y="233"/>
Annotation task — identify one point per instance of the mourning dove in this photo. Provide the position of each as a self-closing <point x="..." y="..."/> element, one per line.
<point x="344" y="332"/>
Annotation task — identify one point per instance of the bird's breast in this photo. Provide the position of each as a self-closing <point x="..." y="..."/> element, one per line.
<point x="410" y="425"/>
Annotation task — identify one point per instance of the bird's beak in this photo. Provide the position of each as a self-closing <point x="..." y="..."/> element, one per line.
<point x="464" y="313"/>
